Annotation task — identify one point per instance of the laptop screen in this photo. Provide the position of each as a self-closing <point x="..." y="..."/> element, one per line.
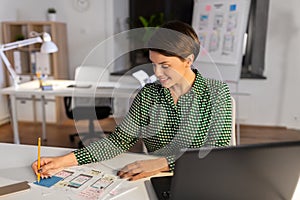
<point x="261" y="171"/>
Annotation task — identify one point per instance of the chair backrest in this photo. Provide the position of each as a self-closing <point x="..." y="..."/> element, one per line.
<point x="91" y="75"/>
<point x="233" y="115"/>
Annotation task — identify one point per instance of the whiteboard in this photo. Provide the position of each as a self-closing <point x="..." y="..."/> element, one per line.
<point x="221" y="26"/>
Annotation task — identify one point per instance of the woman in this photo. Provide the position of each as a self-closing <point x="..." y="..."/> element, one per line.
<point x="181" y="110"/>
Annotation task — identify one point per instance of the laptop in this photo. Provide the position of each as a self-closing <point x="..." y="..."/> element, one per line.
<point x="260" y="172"/>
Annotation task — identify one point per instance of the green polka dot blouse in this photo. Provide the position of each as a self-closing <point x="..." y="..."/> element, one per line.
<point x="201" y="118"/>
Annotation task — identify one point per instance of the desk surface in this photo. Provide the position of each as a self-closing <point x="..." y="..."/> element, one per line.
<point x="17" y="167"/>
<point x="60" y="88"/>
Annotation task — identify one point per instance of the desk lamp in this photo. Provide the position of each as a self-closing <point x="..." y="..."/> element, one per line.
<point x="47" y="47"/>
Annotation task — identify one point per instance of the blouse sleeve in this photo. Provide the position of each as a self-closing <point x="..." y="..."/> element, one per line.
<point x="124" y="137"/>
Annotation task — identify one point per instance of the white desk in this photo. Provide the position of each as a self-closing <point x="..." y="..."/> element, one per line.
<point x="60" y="89"/>
<point x="17" y="167"/>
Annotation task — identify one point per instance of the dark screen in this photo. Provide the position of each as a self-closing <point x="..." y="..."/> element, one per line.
<point x="172" y="9"/>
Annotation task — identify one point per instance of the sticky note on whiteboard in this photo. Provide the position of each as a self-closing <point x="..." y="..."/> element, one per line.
<point x="233" y="7"/>
<point x="208" y="8"/>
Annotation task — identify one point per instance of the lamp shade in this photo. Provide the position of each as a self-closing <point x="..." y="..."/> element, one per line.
<point x="48" y="47"/>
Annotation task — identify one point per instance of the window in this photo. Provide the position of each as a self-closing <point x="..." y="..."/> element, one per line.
<point x="254" y="59"/>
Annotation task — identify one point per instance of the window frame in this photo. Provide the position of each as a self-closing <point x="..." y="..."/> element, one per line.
<point x="253" y="63"/>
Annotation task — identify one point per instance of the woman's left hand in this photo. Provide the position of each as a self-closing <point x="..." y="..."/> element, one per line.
<point x="143" y="168"/>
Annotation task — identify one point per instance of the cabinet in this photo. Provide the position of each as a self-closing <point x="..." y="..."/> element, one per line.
<point x="27" y="60"/>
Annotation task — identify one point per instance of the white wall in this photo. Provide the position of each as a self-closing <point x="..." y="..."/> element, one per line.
<point x="274" y="101"/>
<point x="85" y="29"/>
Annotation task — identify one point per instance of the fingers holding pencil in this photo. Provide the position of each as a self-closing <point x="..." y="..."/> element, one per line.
<point x="47" y="167"/>
<point x="42" y="167"/>
<point x="52" y="165"/>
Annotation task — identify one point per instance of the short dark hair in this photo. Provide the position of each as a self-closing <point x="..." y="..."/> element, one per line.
<point x="175" y="38"/>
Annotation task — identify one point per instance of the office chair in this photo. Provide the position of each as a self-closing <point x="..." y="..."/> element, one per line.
<point x="90" y="113"/>
<point x="88" y="108"/>
<point x="233" y="113"/>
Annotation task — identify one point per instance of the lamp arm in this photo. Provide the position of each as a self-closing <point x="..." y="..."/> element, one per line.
<point x="22" y="43"/>
<point x="50" y="48"/>
<point x="14" y="75"/>
<point x="14" y="45"/>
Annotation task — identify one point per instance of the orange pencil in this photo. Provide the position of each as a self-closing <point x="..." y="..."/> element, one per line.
<point x="39" y="159"/>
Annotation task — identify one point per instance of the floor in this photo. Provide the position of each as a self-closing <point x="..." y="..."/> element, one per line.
<point x="58" y="135"/>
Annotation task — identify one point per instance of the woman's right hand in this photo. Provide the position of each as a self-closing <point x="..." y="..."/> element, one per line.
<point x="52" y="165"/>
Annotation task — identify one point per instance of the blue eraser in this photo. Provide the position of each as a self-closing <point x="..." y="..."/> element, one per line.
<point x="47" y="87"/>
<point x="48" y="182"/>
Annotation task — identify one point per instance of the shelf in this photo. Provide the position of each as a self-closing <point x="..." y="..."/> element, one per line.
<point x="27" y="60"/>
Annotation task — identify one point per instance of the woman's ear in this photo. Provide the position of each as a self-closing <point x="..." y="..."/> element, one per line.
<point x="190" y="59"/>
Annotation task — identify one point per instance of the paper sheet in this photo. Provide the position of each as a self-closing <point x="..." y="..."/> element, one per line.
<point x="83" y="183"/>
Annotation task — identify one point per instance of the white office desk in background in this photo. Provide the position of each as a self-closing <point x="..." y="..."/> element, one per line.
<point x="16" y="167"/>
<point x="61" y="89"/>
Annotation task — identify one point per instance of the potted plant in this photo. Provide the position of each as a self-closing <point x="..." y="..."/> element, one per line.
<point x="51" y="14"/>
<point x="155" y="20"/>
<point x="19" y="37"/>
<point x="149" y="24"/>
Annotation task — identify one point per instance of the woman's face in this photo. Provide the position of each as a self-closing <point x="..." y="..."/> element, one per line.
<point x="169" y="70"/>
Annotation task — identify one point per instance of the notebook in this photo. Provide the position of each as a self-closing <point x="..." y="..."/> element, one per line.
<point x="260" y="171"/>
<point x="9" y="188"/>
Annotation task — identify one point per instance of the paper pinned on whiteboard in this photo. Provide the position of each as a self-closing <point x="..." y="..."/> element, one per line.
<point x="220" y="27"/>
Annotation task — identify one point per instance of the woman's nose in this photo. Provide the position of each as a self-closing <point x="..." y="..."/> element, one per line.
<point x="157" y="70"/>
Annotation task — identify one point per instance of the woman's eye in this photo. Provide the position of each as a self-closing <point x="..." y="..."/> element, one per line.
<point x="161" y="66"/>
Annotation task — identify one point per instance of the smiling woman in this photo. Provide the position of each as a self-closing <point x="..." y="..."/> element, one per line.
<point x="181" y="110"/>
<point x="172" y="54"/>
